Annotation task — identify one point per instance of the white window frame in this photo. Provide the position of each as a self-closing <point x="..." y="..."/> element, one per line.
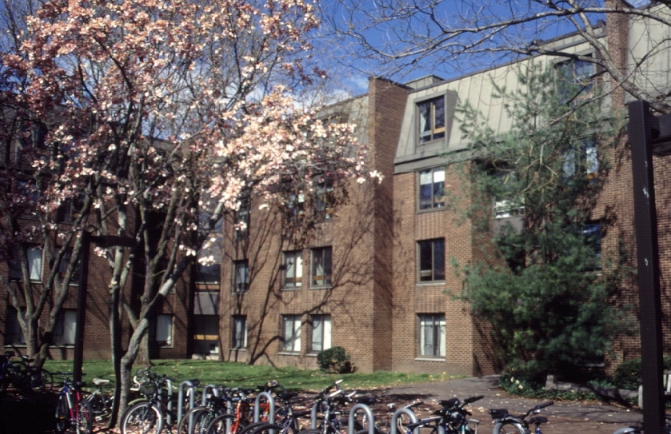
<point x="427" y="130"/>
<point x="239" y="332"/>
<point x="240" y="282"/>
<point x="320" y="338"/>
<point x="435" y="179"/>
<point x="292" y="273"/>
<point x="34" y="256"/>
<point x="291" y="333"/>
<point x="432" y="340"/>
<point x="164" y="329"/>
<point x="319" y="267"/>
<point x="66" y="327"/>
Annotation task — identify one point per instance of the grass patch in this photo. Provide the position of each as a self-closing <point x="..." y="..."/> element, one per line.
<point x="241" y="375"/>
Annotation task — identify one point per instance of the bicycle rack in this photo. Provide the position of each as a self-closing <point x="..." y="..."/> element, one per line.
<point x="213" y="388"/>
<point x="369" y="414"/>
<point x="180" y="399"/>
<point x="413" y="418"/>
<point x="271" y="407"/>
<point x="168" y="382"/>
<point x="313" y="414"/>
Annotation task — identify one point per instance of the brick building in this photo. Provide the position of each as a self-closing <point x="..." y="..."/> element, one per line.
<point x="375" y="275"/>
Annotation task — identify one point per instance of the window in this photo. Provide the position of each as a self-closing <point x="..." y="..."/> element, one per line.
<point x="242" y="220"/>
<point x="70" y="209"/>
<point x="592" y="233"/>
<point x="432" y="335"/>
<point x="432" y="188"/>
<point x="323" y="202"/>
<point x="66" y="327"/>
<point x="291" y="333"/>
<point x="292" y="273"/>
<point x="206" y="334"/>
<point x="13" y="332"/>
<point x="210" y="270"/>
<point x="321" y="333"/>
<point x="321" y="267"/>
<point x="239" y="329"/>
<point x="296" y="202"/>
<point x="431" y="260"/>
<point x="164" y="330"/>
<point x="206" y="303"/>
<point x="34" y="256"/>
<point x="240" y="277"/>
<point x="431" y="119"/>
<point x="584" y="156"/>
<point x="575" y="77"/>
<point x="508" y="203"/>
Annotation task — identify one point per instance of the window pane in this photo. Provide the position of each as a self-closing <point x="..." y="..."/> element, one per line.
<point x="439" y="259"/>
<point x="35" y="263"/>
<point x="317" y="333"/>
<point x="164" y="329"/>
<point x="439" y="108"/>
<point x="69" y="326"/>
<point x="425" y="261"/>
<point x="327" y="266"/>
<point x="327" y="331"/>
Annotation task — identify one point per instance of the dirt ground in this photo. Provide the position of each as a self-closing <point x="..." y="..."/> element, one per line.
<point x="35" y="415"/>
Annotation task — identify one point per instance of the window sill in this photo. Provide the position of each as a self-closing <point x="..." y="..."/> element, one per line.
<point x="430" y="359"/>
<point x="292" y="288"/>
<point x="430" y="210"/>
<point x="289" y="353"/>
<point x="243" y="349"/>
<point x="432" y="283"/>
<point x="322" y="287"/>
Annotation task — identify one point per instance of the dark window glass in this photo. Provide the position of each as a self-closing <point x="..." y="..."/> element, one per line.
<point x="431" y="260"/>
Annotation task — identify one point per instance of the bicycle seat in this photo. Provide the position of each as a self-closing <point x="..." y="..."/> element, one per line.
<point x="368" y="400"/>
<point x="287" y="395"/>
<point x="498" y="413"/>
<point x="449" y="403"/>
<point x="100" y="381"/>
<point x="537" y="420"/>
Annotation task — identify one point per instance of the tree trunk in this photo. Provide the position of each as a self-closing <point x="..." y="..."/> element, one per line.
<point x="143" y="355"/>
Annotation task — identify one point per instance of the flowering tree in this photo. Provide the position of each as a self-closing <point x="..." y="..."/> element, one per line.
<point x="154" y="110"/>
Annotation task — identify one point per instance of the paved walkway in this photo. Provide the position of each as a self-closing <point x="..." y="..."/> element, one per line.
<point x="564" y="416"/>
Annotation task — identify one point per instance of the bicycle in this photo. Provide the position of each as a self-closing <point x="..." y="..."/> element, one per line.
<point x="242" y="406"/>
<point x="157" y="410"/>
<point x="329" y="404"/>
<point x="22" y="375"/>
<point x="71" y="409"/>
<point x="100" y="402"/>
<point x="286" y="418"/>
<point x="506" y="423"/>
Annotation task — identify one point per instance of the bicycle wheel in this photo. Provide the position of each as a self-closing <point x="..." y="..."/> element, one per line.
<point x="40" y="380"/>
<point x="287" y="428"/>
<point x="199" y="418"/>
<point x="222" y="424"/>
<point x="142" y="418"/>
<point x="84" y="421"/>
<point x="508" y="428"/>
<point x="62" y="415"/>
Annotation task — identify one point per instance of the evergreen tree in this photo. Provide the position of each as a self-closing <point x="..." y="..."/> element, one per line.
<point x="543" y="284"/>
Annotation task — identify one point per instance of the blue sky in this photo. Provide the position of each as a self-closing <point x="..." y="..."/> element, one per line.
<point x="350" y="67"/>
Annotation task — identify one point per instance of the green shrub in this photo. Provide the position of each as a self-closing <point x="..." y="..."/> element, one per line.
<point x="628" y="374"/>
<point x="335" y="360"/>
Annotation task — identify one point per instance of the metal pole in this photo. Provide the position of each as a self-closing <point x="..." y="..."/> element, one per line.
<point x="78" y="357"/>
<point x="640" y="137"/>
